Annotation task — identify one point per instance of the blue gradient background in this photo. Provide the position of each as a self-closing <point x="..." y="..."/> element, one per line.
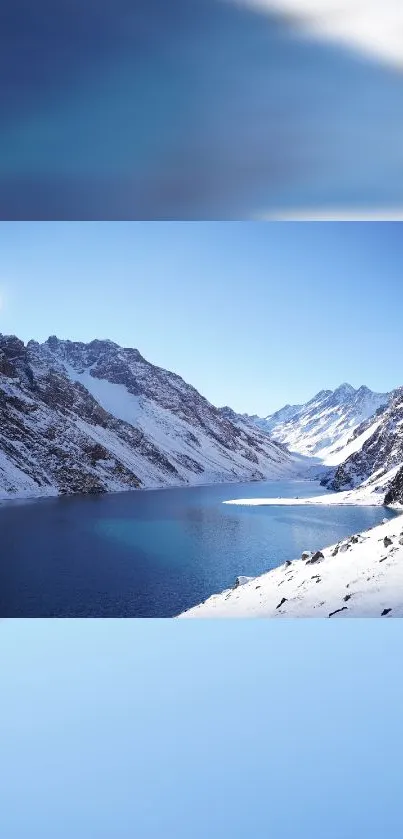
<point x="189" y="109"/>
<point x="239" y="729"/>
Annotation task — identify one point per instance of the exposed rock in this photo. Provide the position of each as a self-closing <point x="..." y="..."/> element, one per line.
<point x="395" y="491"/>
<point x="241" y="581"/>
<point x="316" y="557"/>
<point x="55" y="433"/>
<point x="337" y="611"/>
<point x="283" y="600"/>
<point x="343" y="548"/>
<point x="381" y="452"/>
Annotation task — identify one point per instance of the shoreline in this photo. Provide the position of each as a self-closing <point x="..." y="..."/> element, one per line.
<point x="361" y="576"/>
<point x="5" y="499"/>
<point x="337" y="499"/>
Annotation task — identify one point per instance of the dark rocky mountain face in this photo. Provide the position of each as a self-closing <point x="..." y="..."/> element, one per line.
<point x="379" y="454"/>
<point x="93" y="417"/>
<point x="395" y="491"/>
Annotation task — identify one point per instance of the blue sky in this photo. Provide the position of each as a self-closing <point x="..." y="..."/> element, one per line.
<point x="220" y="729"/>
<point x="254" y="315"/>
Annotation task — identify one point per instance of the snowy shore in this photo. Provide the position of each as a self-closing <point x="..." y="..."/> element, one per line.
<point x="339" y="499"/>
<point x="361" y="576"/>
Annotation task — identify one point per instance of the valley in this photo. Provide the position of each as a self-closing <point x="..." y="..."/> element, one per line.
<point x="97" y="422"/>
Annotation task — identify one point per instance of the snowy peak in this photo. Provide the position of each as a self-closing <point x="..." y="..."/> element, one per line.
<point x="283" y="415"/>
<point x="326" y="424"/>
<point x="94" y="417"/>
<point x="81" y="356"/>
<point x="344" y="390"/>
<point x="319" y="397"/>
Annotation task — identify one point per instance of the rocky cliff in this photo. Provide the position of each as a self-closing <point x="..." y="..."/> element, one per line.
<point x="379" y="457"/>
<point x="94" y="417"/>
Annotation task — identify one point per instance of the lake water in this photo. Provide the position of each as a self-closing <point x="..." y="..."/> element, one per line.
<point x="181" y="109"/>
<point x="156" y="553"/>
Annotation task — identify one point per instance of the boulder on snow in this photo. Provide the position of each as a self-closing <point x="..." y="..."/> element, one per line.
<point x="306" y="555"/>
<point x="283" y="600"/>
<point x="345" y="547"/>
<point x="240" y="581"/>
<point x="316" y="557"/>
<point x="387" y="541"/>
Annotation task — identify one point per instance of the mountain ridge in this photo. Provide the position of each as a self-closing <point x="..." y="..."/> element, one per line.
<point x="96" y="417"/>
<point x="325" y="425"/>
<point x="379" y="457"/>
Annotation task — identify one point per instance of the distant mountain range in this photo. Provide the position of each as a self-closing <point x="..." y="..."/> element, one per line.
<point x="324" y="426"/>
<point x="356" y="433"/>
<point x="97" y="417"/>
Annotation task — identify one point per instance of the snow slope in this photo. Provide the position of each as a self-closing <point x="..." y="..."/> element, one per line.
<point x="359" y="577"/>
<point x="98" y="417"/>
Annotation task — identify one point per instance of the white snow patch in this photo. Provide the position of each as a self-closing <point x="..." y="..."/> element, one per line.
<point x="113" y="398"/>
<point x="333" y="457"/>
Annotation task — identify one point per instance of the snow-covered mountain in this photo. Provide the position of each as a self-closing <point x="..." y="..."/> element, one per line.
<point x="324" y="427"/>
<point x="78" y="417"/>
<point x="278" y="418"/>
<point x="377" y="458"/>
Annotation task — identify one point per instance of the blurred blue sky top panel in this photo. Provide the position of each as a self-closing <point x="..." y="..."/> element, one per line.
<point x="192" y="109"/>
<point x="222" y="729"/>
<point x="238" y="309"/>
